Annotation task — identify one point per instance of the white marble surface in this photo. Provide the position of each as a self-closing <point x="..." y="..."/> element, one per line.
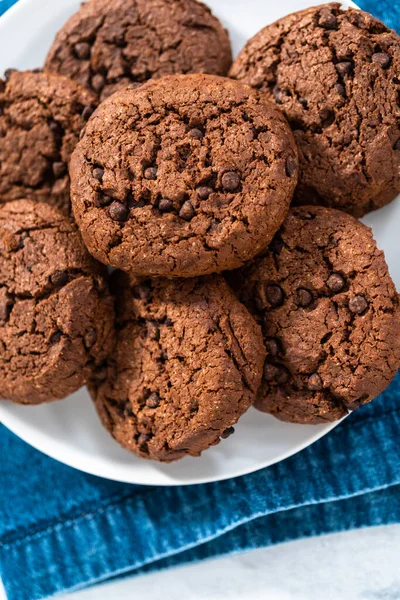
<point x="358" y="565"/>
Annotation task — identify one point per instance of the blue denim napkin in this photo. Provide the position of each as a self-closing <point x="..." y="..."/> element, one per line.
<point x="61" y="530"/>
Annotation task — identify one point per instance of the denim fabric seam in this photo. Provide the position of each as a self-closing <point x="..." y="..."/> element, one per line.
<point x="72" y="523"/>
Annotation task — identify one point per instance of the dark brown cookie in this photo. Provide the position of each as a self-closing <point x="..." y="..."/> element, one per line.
<point x="330" y="317"/>
<point x="56" y="314"/>
<point x="107" y="45"/>
<point x="335" y="75"/>
<point x="187" y="365"/>
<point x="187" y="175"/>
<point x="41" y="117"/>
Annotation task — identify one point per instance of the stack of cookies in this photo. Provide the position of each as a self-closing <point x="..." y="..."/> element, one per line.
<point x="226" y="202"/>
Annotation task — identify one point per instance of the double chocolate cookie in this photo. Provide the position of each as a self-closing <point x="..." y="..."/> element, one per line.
<point x="330" y="317"/>
<point x="335" y="75"/>
<point x="187" y="365"/>
<point x="185" y="176"/>
<point x="56" y="314"/>
<point x="41" y="117"/>
<point x="109" y="45"/>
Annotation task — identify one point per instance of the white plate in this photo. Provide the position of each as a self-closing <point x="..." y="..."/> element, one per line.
<point x="70" y="431"/>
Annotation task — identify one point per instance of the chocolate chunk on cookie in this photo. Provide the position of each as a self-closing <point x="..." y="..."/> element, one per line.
<point x="107" y="45"/>
<point x="56" y="314"/>
<point x="335" y="75"/>
<point x="41" y="117"/>
<point x="185" y="176"/>
<point x="187" y="365"/>
<point x="333" y="339"/>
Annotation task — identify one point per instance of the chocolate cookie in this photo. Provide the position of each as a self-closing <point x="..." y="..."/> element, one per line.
<point x="108" y="45"/>
<point x="187" y="365"/>
<point x="330" y="317"/>
<point x="185" y="176"/>
<point x="335" y="75"/>
<point x="41" y="117"/>
<point x="56" y="314"/>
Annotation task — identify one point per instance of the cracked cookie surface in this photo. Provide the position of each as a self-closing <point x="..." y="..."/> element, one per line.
<point x="41" y="117"/>
<point x="335" y="75"/>
<point x="185" y="176"/>
<point x="187" y="365"/>
<point x="56" y="314"/>
<point x="108" y="45"/>
<point x="329" y="313"/>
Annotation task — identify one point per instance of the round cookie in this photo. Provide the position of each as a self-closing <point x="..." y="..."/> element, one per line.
<point x="330" y="317"/>
<point x="187" y="365"/>
<point x="108" y="45"/>
<point x="335" y="75"/>
<point x="41" y="117"/>
<point x="56" y="314"/>
<point x="185" y="176"/>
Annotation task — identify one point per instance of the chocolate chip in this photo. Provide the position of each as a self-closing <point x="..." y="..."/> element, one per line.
<point x="303" y="101"/>
<point x="227" y="433"/>
<point x="279" y="95"/>
<point x="382" y="59"/>
<point x="327" y="19"/>
<point x="153" y="330"/>
<point x="56" y="337"/>
<point x="153" y="401"/>
<point x="314" y="383"/>
<point x="165" y="205"/>
<point x="340" y="89"/>
<point x="118" y="211"/>
<point x="150" y="173"/>
<point x="196" y="134"/>
<point x="2" y="85"/>
<point x="270" y="372"/>
<point x="98" y="173"/>
<point x="59" y="169"/>
<point x="272" y="346"/>
<point x="82" y="50"/>
<point x="59" y="278"/>
<point x="358" y="304"/>
<point x="291" y="165"/>
<point x="98" y="82"/>
<point x="230" y="181"/>
<point x="90" y="338"/>
<point x="344" y="68"/>
<point x="305" y="215"/>
<point x="397" y="145"/>
<point x="304" y="297"/>
<point x="187" y="211"/>
<point x="275" y="295"/>
<point x="87" y="112"/>
<point x="8" y="73"/>
<point x="204" y="192"/>
<point x="103" y="200"/>
<point x="141" y="291"/>
<point x="5" y="308"/>
<point x="143" y="439"/>
<point x="335" y="282"/>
